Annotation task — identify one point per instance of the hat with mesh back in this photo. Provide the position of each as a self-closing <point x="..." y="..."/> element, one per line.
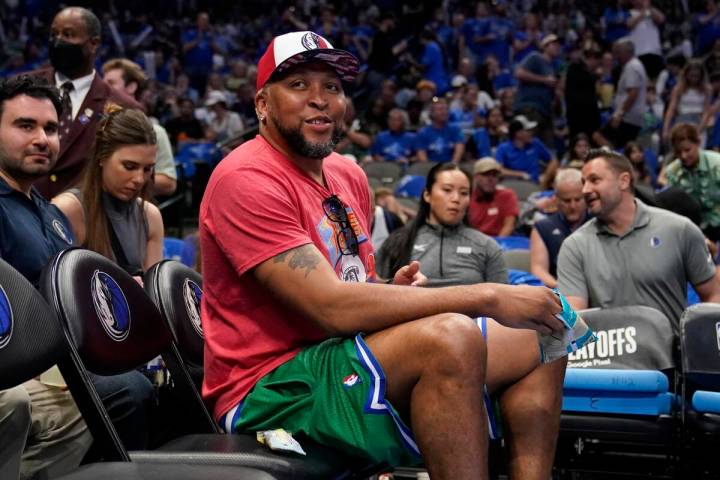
<point x="286" y="51"/>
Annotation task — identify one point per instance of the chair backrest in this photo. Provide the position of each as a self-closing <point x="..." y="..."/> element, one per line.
<point x="31" y="338"/>
<point x="700" y="345"/>
<point x="387" y="172"/>
<point x="420" y="168"/>
<point x="176" y="290"/>
<point x="632" y="338"/>
<point x="513" y="242"/>
<point x="113" y="327"/>
<point x="111" y="321"/>
<point x="517" y="259"/>
<point x="522" y="188"/>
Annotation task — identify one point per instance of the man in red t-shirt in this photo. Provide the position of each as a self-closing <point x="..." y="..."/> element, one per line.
<point x="493" y="208"/>
<point x="300" y="334"/>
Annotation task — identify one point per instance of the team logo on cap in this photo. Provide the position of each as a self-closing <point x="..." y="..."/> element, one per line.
<point x="110" y="305"/>
<point x="192" y="294"/>
<point x="6" y="319"/>
<point x="313" y="41"/>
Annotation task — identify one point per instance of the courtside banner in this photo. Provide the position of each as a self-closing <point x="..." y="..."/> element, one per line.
<point x="634" y="338"/>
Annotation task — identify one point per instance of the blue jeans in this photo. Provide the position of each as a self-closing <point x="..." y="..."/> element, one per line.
<point x="128" y="398"/>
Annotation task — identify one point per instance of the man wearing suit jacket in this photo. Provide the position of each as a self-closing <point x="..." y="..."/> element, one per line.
<point x="74" y="42"/>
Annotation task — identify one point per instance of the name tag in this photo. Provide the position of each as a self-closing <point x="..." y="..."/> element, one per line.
<point x="464" y="250"/>
<point x="493" y="211"/>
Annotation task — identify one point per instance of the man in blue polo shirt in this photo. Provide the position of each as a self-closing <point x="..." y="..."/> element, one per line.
<point x="31" y="231"/>
<point x="523" y="156"/>
<point x="440" y="141"/>
<point x="41" y="431"/>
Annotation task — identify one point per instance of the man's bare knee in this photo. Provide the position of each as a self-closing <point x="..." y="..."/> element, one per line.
<point x="456" y="343"/>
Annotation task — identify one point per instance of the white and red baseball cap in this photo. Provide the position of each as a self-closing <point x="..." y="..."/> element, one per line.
<point x="294" y="48"/>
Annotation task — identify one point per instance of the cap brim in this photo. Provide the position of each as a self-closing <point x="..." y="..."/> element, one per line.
<point x="530" y="125"/>
<point x="344" y="63"/>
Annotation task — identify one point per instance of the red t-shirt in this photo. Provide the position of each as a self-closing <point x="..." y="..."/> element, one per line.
<point x="258" y="204"/>
<point x="488" y="215"/>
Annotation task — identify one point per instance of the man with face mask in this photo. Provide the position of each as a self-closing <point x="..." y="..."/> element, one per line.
<point x="74" y="42"/>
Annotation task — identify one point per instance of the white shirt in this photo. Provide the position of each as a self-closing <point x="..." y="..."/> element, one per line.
<point x="81" y="87"/>
<point x="645" y="36"/>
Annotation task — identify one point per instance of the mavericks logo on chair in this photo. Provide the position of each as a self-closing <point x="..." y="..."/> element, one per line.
<point x="110" y="305"/>
<point x="6" y="319"/>
<point x="192" y="294"/>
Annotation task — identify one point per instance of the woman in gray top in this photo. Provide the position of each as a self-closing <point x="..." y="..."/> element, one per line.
<point x="450" y="252"/>
<point x="109" y="213"/>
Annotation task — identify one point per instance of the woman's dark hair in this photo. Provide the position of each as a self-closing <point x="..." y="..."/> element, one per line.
<point x="399" y="244"/>
<point x="34" y="87"/>
<point x="640" y="167"/>
<point x="573" y="143"/>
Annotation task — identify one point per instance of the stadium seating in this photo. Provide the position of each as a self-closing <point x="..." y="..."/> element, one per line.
<point x="517" y="259"/>
<point x="513" y="242"/>
<point x="114" y="328"/>
<point x="619" y="407"/>
<point x="522" y="188"/>
<point x="387" y="172"/>
<point x="700" y="353"/>
<point x="32" y="340"/>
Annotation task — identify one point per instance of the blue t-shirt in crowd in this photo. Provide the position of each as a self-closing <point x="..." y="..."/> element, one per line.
<point x="520" y="55"/>
<point x="439" y="143"/>
<point x="471" y="28"/>
<point x="465" y="119"/>
<point x="706" y="34"/>
<point x="537" y="96"/>
<point x="499" y="46"/>
<point x="432" y="59"/>
<point x="201" y="55"/>
<point x="504" y="79"/>
<point x="615" y="20"/>
<point x="391" y="145"/>
<point x="32" y="231"/>
<point x="528" y="159"/>
<point x="482" y="143"/>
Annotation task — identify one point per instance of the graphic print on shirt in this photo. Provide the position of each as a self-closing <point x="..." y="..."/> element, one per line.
<point x="349" y="268"/>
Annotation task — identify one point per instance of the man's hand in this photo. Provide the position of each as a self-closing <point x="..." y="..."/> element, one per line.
<point x="616" y="119"/>
<point x="550" y="81"/>
<point x="521" y="306"/>
<point x="410" y="275"/>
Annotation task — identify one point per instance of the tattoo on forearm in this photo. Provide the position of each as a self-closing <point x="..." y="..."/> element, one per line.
<point x="302" y="257"/>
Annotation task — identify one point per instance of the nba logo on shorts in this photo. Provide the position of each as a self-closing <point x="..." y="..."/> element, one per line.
<point x="717" y="333"/>
<point x="351" y="380"/>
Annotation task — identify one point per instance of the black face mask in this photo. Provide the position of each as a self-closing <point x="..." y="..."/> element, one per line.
<point x="66" y="58"/>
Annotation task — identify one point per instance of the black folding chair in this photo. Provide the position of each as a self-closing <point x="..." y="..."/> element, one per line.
<point x="32" y="340"/>
<point x="142" y="471"/>
<point x="619" y="405"/>
<point x="116" y="328"/>
<point x="700" y="349"/>
<point x="177" y="291"/>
